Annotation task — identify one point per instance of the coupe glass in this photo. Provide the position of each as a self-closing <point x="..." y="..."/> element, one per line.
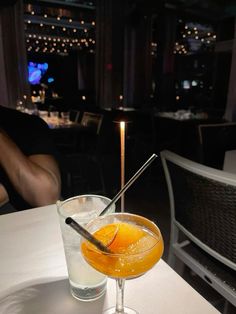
<point x="135" y="244"/>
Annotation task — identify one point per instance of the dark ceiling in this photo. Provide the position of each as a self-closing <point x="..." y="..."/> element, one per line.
<point x="212" y="9"/>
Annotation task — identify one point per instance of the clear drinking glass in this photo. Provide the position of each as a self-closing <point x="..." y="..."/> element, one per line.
<point x="135" y="243"/>
<point x="85" y="282"/>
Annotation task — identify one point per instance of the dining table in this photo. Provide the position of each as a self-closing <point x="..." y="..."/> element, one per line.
<point x="55" y="122"/>
<point x="34" y="279"/>
<point x="229" y="164"/>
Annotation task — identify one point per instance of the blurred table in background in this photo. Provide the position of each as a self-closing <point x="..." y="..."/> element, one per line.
<point x="54" y="121"/>
<point x="179" y="132"/>
<point x="182" y="115"/>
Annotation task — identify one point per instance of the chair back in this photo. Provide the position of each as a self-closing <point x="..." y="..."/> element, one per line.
<point x="74" y="115"/>
<point x="93" y="120"/>
<point x="203" y="205"/>
<point x="215" y="140"/>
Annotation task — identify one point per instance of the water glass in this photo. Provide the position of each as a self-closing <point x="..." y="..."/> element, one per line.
<point x="85" y="283"/>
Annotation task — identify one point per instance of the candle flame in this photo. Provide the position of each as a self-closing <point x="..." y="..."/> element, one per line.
<point x="122" y="125"/>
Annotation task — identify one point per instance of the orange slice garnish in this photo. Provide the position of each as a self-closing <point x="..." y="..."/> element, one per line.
<point x="107" y="234"/>
<point x="126" y="235"/>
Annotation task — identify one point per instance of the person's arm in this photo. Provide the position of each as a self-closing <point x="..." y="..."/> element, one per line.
<point x="36" y="178"/>
<point x="3" y="195"/>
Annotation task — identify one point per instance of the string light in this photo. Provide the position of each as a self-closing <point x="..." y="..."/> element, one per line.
<point x="39" y="44"/>
<point x="194" y="37"/>
<point x="84" y="32"/>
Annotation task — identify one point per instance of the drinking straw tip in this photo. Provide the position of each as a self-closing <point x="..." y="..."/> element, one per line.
<point x="68" y="220"/>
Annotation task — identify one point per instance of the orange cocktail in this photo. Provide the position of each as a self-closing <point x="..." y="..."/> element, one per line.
<point x="134" y="245"/>
<point x="135" y="250"/>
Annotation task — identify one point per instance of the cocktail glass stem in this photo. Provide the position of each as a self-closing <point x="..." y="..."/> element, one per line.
<point x="120" y="283"/>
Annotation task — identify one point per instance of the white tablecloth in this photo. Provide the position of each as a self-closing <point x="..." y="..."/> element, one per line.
<point x="33" y="275"/>
<point x="230" y="161"/>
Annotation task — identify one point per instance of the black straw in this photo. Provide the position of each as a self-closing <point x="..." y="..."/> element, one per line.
<point x="87" y="235"/>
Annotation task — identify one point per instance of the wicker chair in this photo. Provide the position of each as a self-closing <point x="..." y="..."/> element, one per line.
<point x="203" y="222"/>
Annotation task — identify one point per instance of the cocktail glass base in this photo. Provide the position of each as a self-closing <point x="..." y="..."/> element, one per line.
<point x="127" y="310"/>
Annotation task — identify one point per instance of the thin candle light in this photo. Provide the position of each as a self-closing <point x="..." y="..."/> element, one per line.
<point x="122" y="161"/>
<point x="128" y="184"/>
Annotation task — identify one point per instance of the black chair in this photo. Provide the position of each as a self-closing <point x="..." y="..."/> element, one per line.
<point x="92" y="120"/>
<point x="83" y="171"/>
<point x="203" y="222"/>
<point x="74" y="115"/>
<point x="215" y="140"/>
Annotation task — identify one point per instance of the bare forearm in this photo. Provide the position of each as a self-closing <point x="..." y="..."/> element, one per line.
<point x="3" y="195"/>
<point x="35" y="178"/>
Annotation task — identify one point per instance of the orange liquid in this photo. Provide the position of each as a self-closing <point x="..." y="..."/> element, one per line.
<point x="135" y="250"/>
